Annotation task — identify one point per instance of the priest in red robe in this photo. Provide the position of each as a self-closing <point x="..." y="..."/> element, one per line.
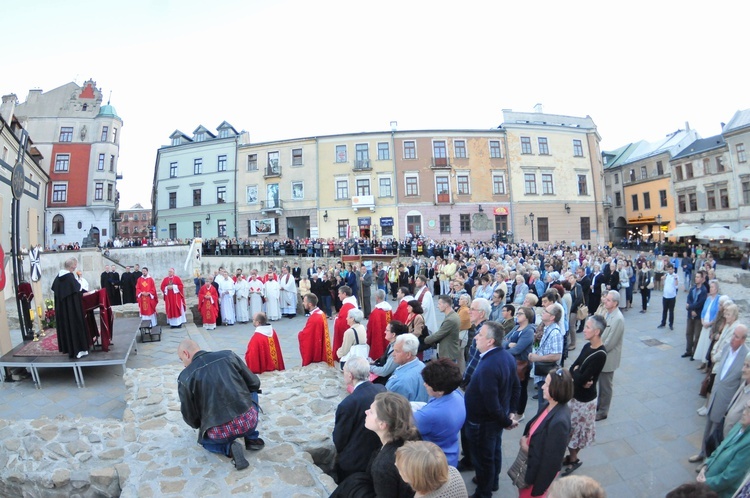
<point x="379" y="319"/>
<point x="404" y="296"/>
<point x="349" y="302"/>
<point x="145" y="292"/>
<point x="208" y="304"/>
<point x="263" y="351"/>
<point x="314" y="339"/>
<point x="174" y="299"/>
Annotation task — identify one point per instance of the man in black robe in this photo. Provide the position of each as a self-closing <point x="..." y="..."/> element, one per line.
<point x="127" y="283"/>
<point x="104" y="279"/>
<point x="113" y="290"/>
<point x="71" y="327"/>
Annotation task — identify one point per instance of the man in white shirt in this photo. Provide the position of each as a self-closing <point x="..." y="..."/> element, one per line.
<point x="669" y="296"/>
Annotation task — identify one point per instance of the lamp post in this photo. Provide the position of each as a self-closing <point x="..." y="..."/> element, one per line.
<point x="531" y="219"/>
<point x="658" y="221"/>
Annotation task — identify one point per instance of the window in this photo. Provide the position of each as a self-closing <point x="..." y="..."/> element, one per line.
<point x="197" y="166"/>
<point x="410" y="149"/>
<point x="459" y="148"/>
<point x="222" y="226"/>
<point x="442" y="185"/>
<point x="135" y="217"/>
<point x="583" y="188"/>
<point x="62" y="163"/>
<point x="296" y="157"/>
<point x="577" y="149"/>
<point x="585" y="228"/>
<point x="197" y="229"/>
<point x="59" y="192"/>
<point x="498" y="184"/>
<point x="692" y="199"/>
<point x="529" y="181"/>
<point x="298" y="191"/>
<point x="463" y="184"/>
<point x="110" y="191"/>
<point x="746" y="192"/>
<point x="634" y="197"/>
<point x="711" y="199"/>
<point x="172" y="170"/>
<point x="98" y="191"/>
<point x="632" y="175"/>
<point x="678" y="172"/>
<point x="525" y="145"/>
<point x="173" y="230"/>
<point x="719" y="164"/>
<point x="342" y="225"/>
<point x="646" y="200"/>
<point x="221" y="194"/>
<point x="251" y="194"/>
<point x="384" y="151"/>
<point x="445" y="223"/>
<point x="222" y="163"/>
<point x="173" y="200"/>
<point x="659" y="168"/>
<point x="662" y="198"/>
<point x="741" y="156"/>
<point x="341" y="154"/>
<point x="342" y="189"/>
<point x="495" y="150"/>
<point x="681" y="205"/>
<point x="200" y="137"/>
<point x="111" y="162"/>
<point x="543" y="146"/>
<point x="124" y="230"/>
<point x="273" y="163"/>
<point x="252" y="162"/>
<point x="706" y="166"/>
<point x="617" y="178"/>
<point x="688" y="171"/>
<point x="543" y="228"/>
<point x="414" y="224"/>
<point x="548" y="188"/>
<point x="464" y="221"/>
<point x="724" y="197"/>
<point x="618" y="199"/>
<point x="412" y="188"/>
<point x="440" y="153"/>
<point x="114" y="135"/>
<point x="363" y="186"/>
<point x="196" y="197"/>
<point x="66" y="134"/>
<point x="105" y="132"/>
<point x="58" y="224"/>
<point x="362" y="156"/>
<point x="644" y="173"/>
<point x="385" y="186"/>
<point x="176" y="141"/>
<point x="100" y="163"/>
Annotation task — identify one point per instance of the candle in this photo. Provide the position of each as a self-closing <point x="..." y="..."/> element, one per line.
<point x="39" y="311"/>
<point x="31" y="314"/>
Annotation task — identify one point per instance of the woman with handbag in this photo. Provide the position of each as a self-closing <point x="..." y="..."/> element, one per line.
<point x="645" y="284"/>
<point x="519" y="342"/>
<point x="585" y="371"/>
<point x="355" y="337"/>
<point x="546" y="437"/>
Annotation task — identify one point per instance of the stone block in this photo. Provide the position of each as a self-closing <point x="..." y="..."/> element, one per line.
<point x="61" y="478"/>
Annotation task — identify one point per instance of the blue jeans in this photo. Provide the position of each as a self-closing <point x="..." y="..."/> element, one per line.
<point x="327" y="304"/>
<point x="224" y="446"/>
<point x="485" y="440"/>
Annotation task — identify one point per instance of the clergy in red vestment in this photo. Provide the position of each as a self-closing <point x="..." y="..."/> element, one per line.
<point x="145" y="293"/>
<point x="340" y="326"/>
<point x="379" y="319"/>
<point x="174" y="299"/>
<point x="263" y="351"/>
<point x="314" y="339"/>
<point x="208" y="304"/>
<point x="404" y="296"/>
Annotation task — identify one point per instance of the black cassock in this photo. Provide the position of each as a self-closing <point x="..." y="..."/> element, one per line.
<point x="113" y="289"/>
<point x="127" y="284"/>
<point x="71" y="328"/>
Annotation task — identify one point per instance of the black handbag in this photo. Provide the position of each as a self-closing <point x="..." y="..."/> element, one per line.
<point x="542" y="368"/>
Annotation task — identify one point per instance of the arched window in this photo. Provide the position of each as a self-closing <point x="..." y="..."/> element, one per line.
<point x="58" y="224"/>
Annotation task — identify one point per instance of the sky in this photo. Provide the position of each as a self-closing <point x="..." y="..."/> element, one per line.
<point x="294" y="68"/>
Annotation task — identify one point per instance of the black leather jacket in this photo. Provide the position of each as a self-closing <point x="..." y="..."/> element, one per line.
<point x="214" y="389"/>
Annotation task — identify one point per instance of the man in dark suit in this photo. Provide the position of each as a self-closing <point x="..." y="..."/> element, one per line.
<point x="365" y="277"/>
<point x="491" y="396"/>
<point x="696" y="298"/>
<point x="355" y="443"/>
<point x="297" y="273"/>
<point x="585" y="281"/>
<point x="595" y="298"/>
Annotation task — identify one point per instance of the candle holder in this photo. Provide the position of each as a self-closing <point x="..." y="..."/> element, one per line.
<point x="36" y="336"/>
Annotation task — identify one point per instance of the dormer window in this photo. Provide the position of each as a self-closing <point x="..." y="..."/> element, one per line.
<point x="224" y="133"/>
<point x="200" y="137"/>
<point x="176" y="141"/>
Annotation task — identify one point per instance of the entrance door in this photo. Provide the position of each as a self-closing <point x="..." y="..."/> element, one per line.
<point x="94" y="235"/>
<point x="501" y="223"/>
<point x="414" y="225"/>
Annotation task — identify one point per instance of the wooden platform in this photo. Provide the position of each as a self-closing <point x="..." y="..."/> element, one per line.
<point x="123" y="342"/>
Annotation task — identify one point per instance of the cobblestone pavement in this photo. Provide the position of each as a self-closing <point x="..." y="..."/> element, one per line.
<point x="641" y="449"/>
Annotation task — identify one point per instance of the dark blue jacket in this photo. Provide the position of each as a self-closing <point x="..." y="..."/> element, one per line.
<point x="494" y="389"/>
<point x="696" y="298"/>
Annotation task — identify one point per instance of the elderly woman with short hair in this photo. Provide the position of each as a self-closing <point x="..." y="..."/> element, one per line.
<point x="355" y="334"/>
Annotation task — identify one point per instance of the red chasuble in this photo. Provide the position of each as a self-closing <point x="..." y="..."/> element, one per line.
<point x="401" y="313"/>
<point x="339" y="327"/>
<point x="208" y="303"/>
<point x="264" y="351"/>
<point x="147" y="304"/>
<point x="315" y="341"/>
<point x="174" y="303"/>
<point x="379" y="318"/>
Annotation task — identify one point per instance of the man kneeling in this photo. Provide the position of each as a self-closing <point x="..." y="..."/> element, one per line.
<point x="219" y="397"/>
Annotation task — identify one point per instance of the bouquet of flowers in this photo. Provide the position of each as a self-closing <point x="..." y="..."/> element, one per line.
<point x="48" y="319"/>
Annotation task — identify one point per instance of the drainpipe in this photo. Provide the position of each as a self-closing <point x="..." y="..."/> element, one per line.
<point x="510" y="190"/>
<point x="317" y="164"/>
<point x="395" y="180"/>
<point x="236" y="168"/>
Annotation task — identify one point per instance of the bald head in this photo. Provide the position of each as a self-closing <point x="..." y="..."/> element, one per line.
<point x="186" y="350"/>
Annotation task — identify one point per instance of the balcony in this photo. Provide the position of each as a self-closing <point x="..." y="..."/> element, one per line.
<point x="272" y="206"/>
<point x="273" y="169"/>
<point x="440" y="163"/>
<point x="444" y="198"/>
<point x="363" y="202"/>
<point x="362" y="165"/>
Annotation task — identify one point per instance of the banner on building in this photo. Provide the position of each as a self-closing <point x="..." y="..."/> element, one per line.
<point x="265" y="226"/>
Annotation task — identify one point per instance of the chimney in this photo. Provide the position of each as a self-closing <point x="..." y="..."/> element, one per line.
<point x="538" y="109"/>
<point x="687" y="126"/>
<point x="33" y="96"/>
<point x="8" y="107"/>
<point x="722" y="126"/>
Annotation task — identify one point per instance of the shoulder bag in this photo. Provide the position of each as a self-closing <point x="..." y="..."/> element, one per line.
<point x="517" y="471"/>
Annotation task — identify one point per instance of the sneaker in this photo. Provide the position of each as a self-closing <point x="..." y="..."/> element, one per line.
<point x="81" y="354"/>
<point x="254" y="444"/>
<point x="661" y="326"/>
<point x="238" y="456"/>
<point x="702" y="411"/>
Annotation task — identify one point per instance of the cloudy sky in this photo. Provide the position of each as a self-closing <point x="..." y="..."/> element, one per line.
<point x="294" y="68"/>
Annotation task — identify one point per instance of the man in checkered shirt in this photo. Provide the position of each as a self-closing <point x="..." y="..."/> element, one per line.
<point x="219" y="396"/>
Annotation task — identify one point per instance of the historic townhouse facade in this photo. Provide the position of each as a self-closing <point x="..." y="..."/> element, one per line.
<point x="555" y="171"/>
<point x="194" y="184"/>
<point x="358" y="194"/>
<point x="614" y="206"/>
<point x="278" y="189"/>
<point x="452" y="184"/>
<point x="135" y="223"/>
<point x="736" y="133"/>
<point x="79" y="139"/>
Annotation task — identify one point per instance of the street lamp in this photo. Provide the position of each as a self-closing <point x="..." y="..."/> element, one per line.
<point x="658" y="222"/>
<point x="531" y="218"/>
